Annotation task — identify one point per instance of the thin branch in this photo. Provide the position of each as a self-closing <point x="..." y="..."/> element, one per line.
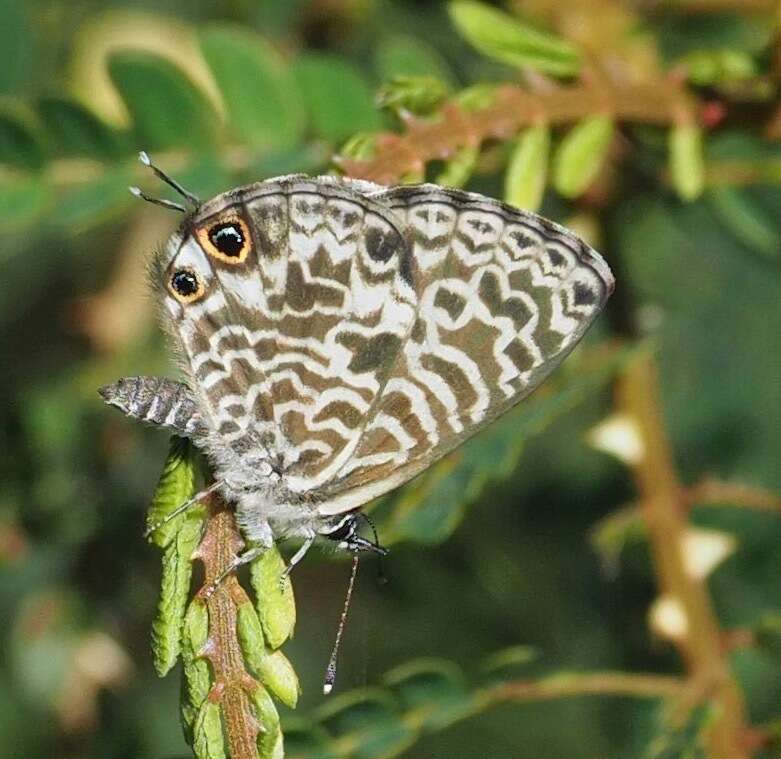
<point x="713" y="492"/>
<point x="233" y="685"/>
<point x="665" y="511"/>
<point x="664" y="101"/>
<point x="589" y="684"/>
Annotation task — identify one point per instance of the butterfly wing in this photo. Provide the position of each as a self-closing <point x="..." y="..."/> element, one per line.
<point x="291" y="345"/>
<point x="502" y="297"/>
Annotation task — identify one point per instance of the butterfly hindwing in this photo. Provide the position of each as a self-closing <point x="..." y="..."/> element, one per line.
<point x="503" y="296"/>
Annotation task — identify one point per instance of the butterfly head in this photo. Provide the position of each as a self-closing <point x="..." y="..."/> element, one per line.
<point x="209" y="236"/>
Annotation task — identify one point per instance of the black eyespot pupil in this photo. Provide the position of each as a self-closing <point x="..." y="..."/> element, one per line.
<point x="185" y="283"/>
<point x="227" y="238"/>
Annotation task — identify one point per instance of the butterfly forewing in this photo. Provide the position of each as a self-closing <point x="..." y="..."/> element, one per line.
<point x="304" y="332"/>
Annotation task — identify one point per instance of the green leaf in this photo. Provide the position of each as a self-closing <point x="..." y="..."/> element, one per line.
<point x="368" y="719"/>
<point x="20" y="144"/>
<point x="95" y="201"/>
<point x="768" y="632"/>
<point x="417" y="94"/>
<point x="250" y="633"/>
<point x="682" y="740"/>
<point x="713" y="67"/>
<point x="431" y="506"/>
<point x="307" y="741"/>
<point x="434" y="689"/>
<point x="581" y="154"/>
<point x="401" y="55"/>
<point x="360" y="147"/>
<point x="166" y="108"/>
<point x="272" y="668"/>
<point x="22" y="202"/>
<point x="459" y="168"/>
<point x="613" y="533"/>
<point x="196" y="682"/>
<point x="687" y="168"/>
<point x="337" y="96"/>
<point x="746" y="220"/>
<point x="477" y="97"/>
<point x="175" y="486"/>
<point x="76" y="131"/>
<point x="174" y="590"/>
<point x="261" y="97"/>
<point x="16" y="42"/>
<point x="273" y="599"/>
<point x="276" y="672"/>
<point x="527" y="170"/>
<point x="208" y="742"/>
<point x="509" y="663"/>
<point x="500" y="36"/>
<point x="270" y="737"/>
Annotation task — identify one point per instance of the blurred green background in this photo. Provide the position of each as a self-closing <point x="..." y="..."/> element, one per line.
<point x="511" y="542"/>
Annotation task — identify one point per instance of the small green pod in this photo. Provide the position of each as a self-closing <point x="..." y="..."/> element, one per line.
<point x="208" y="740"/>
<point x="581" y="154"/>
<point x="196" y="675"/>
<point x="174" y="592"/>
<point x="270" y="744"/>
<point x="277" y="674"/>
<point x="527" y="169"/>
<point x="459" y="168"/>
<point x="175" y="486"/>
<point x="687" y="166"/>
<point x="274" y="599"/>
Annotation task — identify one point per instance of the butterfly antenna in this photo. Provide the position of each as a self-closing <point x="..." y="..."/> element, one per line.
<point x="330" y="671"/>
<point x="194" y="200"/>
<point x="169" y="204"/>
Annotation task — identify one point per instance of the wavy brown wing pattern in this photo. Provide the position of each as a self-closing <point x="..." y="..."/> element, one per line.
<point x="502" y="297"/>
<point x="290" y="350"/>
<point x="370" y="330"/>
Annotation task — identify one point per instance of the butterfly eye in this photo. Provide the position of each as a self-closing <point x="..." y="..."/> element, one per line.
<point x="227" y="240"/>
<point x="186" y="286"/>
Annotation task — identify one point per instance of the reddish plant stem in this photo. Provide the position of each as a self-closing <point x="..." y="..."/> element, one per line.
<point x="221" y="543"/>
<point x="659" y="102"/>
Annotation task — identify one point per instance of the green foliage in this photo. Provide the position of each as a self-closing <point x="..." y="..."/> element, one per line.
<point x="416" y="94"/>
<point x="338" y="97"/>
<point x="275" y="602"/>
<point x="507" y="39"/>
<point x="686" y="161"/>
<point x="152" y="87"/>
<point x="263" y="105"/>
<point x="581" y="154"/>
<point x="527" y="169"/>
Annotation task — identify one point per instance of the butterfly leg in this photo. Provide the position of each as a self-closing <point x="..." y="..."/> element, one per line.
<point x="297" y="556"/>
<point x="182" y="508"/>
<point x="242" y="559"/>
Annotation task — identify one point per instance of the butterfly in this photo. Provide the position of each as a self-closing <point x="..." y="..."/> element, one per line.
<point x="337" y="337"/>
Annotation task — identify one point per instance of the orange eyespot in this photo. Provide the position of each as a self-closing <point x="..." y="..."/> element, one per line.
<point x="228" y="240"/>
<point x="185" y="285"/>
